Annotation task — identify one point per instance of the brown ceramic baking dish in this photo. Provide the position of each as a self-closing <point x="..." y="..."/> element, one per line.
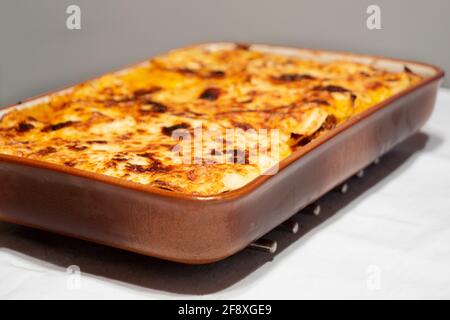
<point x="198" y="229"/>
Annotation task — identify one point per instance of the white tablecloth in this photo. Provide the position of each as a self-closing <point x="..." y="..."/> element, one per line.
<point x="388" y="237"/>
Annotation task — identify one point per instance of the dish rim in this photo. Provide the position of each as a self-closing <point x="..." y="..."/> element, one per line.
<point x="258" y="181"/>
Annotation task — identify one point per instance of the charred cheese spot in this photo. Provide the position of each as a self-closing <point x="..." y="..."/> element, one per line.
<point x="146" y="91"/>
<point x="217" y="74"/>
<point x="168" y="131"/>
<point x="291" y="77"/>
<point x="76" y="147"/>
<point x="331" y="88"/>
<point x="122" y="124"/>
<point x="210" y="94"/>
<point x="24" y="126"/>
<point x="152" y="106"/>
<point x="57" y="126"/>
<point x="45" y="151"/>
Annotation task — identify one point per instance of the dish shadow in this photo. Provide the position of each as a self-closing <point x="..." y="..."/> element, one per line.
<point x="156" y="274"/>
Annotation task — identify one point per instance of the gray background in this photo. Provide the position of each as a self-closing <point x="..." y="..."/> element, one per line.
<point x="38" y="53"/>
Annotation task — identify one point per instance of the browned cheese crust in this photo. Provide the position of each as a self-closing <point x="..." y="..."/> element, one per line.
<point x="121" y="124"/>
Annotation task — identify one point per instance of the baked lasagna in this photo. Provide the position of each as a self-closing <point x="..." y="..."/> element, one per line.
<point x="197" y="120"/>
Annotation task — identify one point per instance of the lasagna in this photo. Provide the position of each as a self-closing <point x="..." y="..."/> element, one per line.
<point x="197" y="120"/>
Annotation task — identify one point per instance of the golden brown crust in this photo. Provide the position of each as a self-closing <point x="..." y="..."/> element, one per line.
<point x="121" y="125"/>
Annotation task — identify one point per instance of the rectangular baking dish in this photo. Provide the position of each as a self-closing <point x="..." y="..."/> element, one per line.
<point x="198" y="229"/>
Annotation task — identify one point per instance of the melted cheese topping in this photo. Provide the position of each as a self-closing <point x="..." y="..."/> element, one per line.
<point x="121" y="124"/>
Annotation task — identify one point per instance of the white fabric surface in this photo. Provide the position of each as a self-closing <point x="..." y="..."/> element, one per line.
<point x="390" y="238"/>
